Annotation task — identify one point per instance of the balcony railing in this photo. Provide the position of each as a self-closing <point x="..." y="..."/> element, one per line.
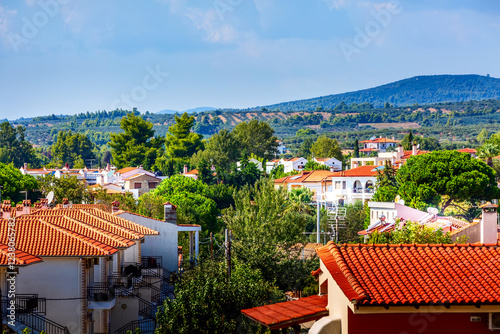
<point x="149" y="262"/>
<point x="100" y="292"/>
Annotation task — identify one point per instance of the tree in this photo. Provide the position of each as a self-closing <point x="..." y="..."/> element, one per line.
<point x="305" y="132"/>
<point x="313" y="165"/>
<point x="136" y="145"/>
<point x="256" y="137"/>
<point x="181" y="142"/>
<point x="206" y="301"/>
<point x="483" y="136"/>
<point x="14" y="148"/>
<point x="407" y="141"/>
<point x="221" y="150"/>
<point x="71" y="148"/>
<point x="65" y="187"/>
<point x="355" y="154"/>
<point x="426" y="178"/>
<point x="411" y="233"/>
<point x="488" y="151"/>
<point x="325" y="147"/>
<point x="386" y="185"/>
<point x="305" y="148"/>
<point x="13" y="181"/>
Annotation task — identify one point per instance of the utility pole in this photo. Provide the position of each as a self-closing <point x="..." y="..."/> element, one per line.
<point x="318" y="235"/>
<point x="228" y="252"/>
<point x="211" y="247"/>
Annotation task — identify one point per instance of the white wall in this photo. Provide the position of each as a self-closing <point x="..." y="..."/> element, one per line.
<point x="56" y="277"/>
<point x="164" y="245"/>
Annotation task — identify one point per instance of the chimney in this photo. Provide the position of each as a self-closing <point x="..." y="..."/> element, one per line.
<point x="414" y="149"/>
<point x="170" y="212"/>
<point x="115" y="206"/>
<point x="44" y="203"/>
<point x="65" y="203"/>
<point x="6" y="208"/>
<point x="107" y="167"/>
<point x="489" y="232"/>
<point x="26" y="207"/>
<point x="25" y="167"/>
<point x="185" y="169"/>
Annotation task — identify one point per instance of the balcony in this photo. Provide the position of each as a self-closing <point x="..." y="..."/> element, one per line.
<point x="151" y="262"/>
<point x="101" y="296"/>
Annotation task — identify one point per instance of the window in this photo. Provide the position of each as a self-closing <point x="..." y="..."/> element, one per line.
<point x="344" y="185"/>
<point x="337" y="184"/>
<point x="137" y="185"/>
<point x="152" y="185"/>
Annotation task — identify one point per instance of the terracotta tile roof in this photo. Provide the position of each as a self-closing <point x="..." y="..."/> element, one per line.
<point x="138" y="175"/>
<point x="21" y="258"/>
<point x="408" y="154"/>
<point x="380" y="140"/>
<point x="467" y="150"/>
<point x="137" y="228"/>
<point x="358" y="171"/>
<point x="369" y="149"/>
<point x="40" y="238"/>
<point x="87" y="230"/>
<point x="126" y="170"/>
<point x="103" y="224"/>
<point x="317" y="176"/>
<point x="193" y="171"/>
<point x="286" y="314"/>
<point x="415" y="274"/>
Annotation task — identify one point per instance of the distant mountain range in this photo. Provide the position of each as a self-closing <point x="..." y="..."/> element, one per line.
<point x="199" y="109"/>
<point x="419" y="89"/>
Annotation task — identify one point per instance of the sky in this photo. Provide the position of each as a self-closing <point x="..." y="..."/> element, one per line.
<point x="73" y="56"/>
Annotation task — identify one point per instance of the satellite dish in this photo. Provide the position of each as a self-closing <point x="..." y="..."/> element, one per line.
<point x="397" y="199"/>
<point x="433" y="211"/>
<point x="50" y="197"/>
<point x="402" y="202"/>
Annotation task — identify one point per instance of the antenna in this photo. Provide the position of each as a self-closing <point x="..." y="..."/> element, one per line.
<point x="50" y="198"/>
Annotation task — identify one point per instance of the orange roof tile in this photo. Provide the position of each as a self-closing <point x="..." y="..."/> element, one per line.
<point x="126" y="169"/>
<point x="408" y="154"/>
<point x="415" y="274"/>
<point x="358" y="171"/>
<point x="467" y="150"/>
<point x="21" y="258"/>
<point x="40" y="238"/>
<point x="317" y="175"/>
<point x="380" y="140"/>
<point x="194" y="171"/>
<point x="137" y="228"/>
<point x="286" y="314"/>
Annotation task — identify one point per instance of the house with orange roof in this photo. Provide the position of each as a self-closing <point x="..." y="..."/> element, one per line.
<point x="398" y="288"/>
<point x="471" y="151"/>
<point x="293" y="164"/>
<point x="93" y="264"/>
<point x="271" y="164"/>
<point x="140" y="183"/>
<point x="380" y="144"/>
<point x="350" y="185"/>
<point x="314" y="180"/>
<point x="397" y="158"/>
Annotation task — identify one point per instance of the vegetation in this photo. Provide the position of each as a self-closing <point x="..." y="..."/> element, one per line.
<point x="411" y="233"/>
<point x="13" y="182"/>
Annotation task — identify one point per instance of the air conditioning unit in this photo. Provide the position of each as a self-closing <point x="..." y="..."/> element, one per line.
<point x="494" y="321"/>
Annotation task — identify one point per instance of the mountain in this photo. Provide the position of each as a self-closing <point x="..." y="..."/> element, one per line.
<point x="419" y="89"/>
<point x="189" y="111"/>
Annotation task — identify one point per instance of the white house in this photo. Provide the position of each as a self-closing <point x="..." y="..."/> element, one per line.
<point x="271" y="164"/>
<point x="313" y="180"/>
<point x="380" y="144"/>
<point x="351" y="185"/>
<point x="291" y="164"/>
<point x="333" y="163"/>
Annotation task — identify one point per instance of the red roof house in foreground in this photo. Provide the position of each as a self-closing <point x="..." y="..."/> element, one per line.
<point x="415" y="288"/>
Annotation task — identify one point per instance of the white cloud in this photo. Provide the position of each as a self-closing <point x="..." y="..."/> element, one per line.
<point x="5" y="16"/>
<point x="209" y="21"/>
<point x="336" y="4"/>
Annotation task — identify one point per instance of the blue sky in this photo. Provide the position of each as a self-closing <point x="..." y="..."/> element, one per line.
<point x="72" y="56"/>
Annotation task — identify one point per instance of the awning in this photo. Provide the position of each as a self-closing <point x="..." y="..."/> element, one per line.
<point x="288" y="314"/>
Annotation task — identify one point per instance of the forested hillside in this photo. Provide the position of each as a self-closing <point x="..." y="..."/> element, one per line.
<point x="420" y="89"/>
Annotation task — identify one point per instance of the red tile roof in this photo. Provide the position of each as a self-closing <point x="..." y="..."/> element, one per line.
<point x="137" y="228"/>
<point x="40" y="238"/>
<point x="467" y="150"/>
<point x="286" y="314"/>
<point x="358" y="171"/>
<point x="380" y="140"/>
<point x="21" y="258"/>
<point x="408" y="154"/>
<point x="415" y="274"/>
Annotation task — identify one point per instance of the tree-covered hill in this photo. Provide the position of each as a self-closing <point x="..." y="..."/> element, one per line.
<point x="420" y="89"/>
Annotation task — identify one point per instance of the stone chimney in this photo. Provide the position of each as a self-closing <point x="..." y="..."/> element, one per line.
<point x="65" y="203"/>
<point x="489" y="229"/>
<point x="6" y="209"/>
<point x="185" y="169"/>
<point x="170" y="212"/>
<point x="414" y="149"/>
<point x="115" y="206"/>
<point x="44" y="203"/>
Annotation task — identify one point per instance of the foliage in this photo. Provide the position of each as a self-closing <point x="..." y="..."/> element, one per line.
<point x="483" y="136"/>
<point x="313" y="165"/>
<point x="246" y="174"/>
<point x="14" y="148"/>
<point x="411" y="233"/>
<point x="65" y="186"/>
<point x="425" y="178"/>
<point x="222" y="150"/>
<point x="354" y="221"/>
<point x="181" y="142"/>
<point x="127" y="200"/>
<point x="256" y="137"/>
<point x="305" y="132"/>
<point x="386" y="185"/>
<point x="488" y="151"/>
<point x="13" y="181"/>
<point x="136" y="145"/>
<point x="305" y="148"/>
<point x="355" y="153"/>
<point x="206" y="301"/>
<point x="71" y="147"/>
<point x="325" y="147"/>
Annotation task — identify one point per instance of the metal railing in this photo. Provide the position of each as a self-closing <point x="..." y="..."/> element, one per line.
<point x="100" y="292"/>
<point x="151" y="262"/>
<point x="145" y="325"/>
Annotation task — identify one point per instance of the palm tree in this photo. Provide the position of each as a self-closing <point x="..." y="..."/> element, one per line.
<point x="488" y="152"/>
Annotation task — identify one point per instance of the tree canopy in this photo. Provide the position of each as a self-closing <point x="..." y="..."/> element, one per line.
<point x="136" y="145"/>
<point x="13" y="181"/>
<point x="14" y="148"/>
<point x="325" y="147"/>
<point x="256" y="137"/>
<point x="426" y="178"/>
<point x="181" y="142"/>
<point x="72" y="147"/>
